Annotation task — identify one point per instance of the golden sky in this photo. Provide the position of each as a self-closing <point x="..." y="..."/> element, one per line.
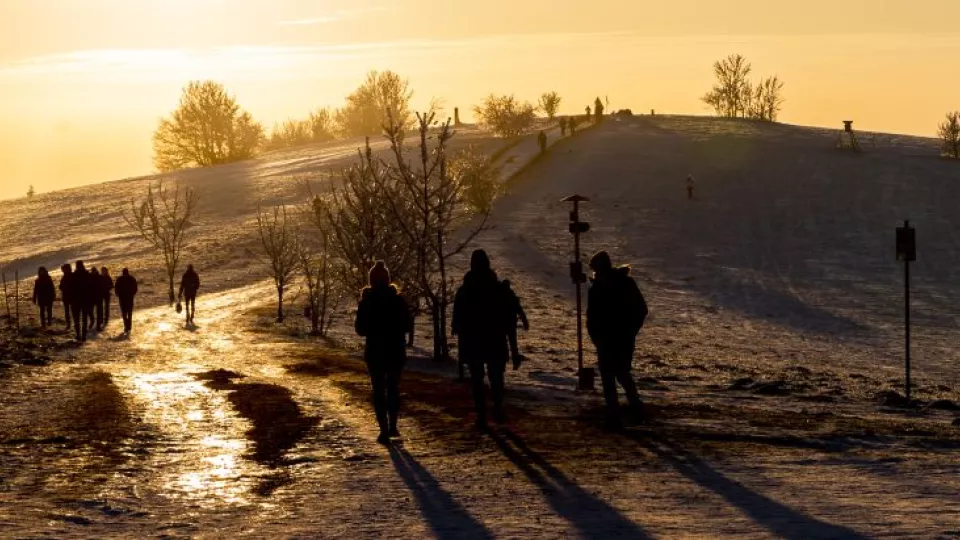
<point x="84" y="81"/>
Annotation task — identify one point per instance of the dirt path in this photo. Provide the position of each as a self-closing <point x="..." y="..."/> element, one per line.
<point x="222" y="430"/>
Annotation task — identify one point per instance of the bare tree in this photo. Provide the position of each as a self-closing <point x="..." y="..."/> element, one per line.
<point x="369" y="108"/>
<point x="505" y="115"/>
<point x="730" y="93"/>
<point x="278" y="237"/>
<point x="318" y="264"/>
<point x="949" y="134"/>
<point x="162" y="219"/>
<point x="766" y="99"/>
<point x="323" y="125"/>
<point x="207" y="128"/>
<point x="550" y="104"/>
<point x="440" y="208"/>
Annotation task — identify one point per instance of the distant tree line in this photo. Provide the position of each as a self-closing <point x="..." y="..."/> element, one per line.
<point x="735" y="96"/>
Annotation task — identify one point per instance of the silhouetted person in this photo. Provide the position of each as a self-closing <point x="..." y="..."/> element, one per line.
<point x="690" y="187"/>
<point x="106" y="294"/>
<point x="189" y="285"/>
<point x="82" y="301"/>
<point x="542" y="141"/>
<point x="616" y="311"/>
<point x="588" y="113"/>
<point x="598" y="110"/>
<point x="479" y="321"/>
<point x="514" y="312"/>
<point x="126" y="289"/>
<point x="96" y="299"/>
<point x="563" y="127"/>
<point x="66" y="292"/>
<point x="384" y="319"/>
<point x="44" y="294"/>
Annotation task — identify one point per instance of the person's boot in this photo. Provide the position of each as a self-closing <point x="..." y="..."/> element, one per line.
<point x="384" y="438"/>
<point x="499" y="416"/>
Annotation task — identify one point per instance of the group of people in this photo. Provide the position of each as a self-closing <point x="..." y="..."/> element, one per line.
<point x="486" y="311"/>
<point x="87" y="295"/>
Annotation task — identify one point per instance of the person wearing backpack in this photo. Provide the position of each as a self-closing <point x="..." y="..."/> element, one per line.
<point x="616" y="311"/>
<point x="126" y="289"/>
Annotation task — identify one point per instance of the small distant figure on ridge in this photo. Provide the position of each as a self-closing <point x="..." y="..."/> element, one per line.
<point x="597" y="110"/>
<point x="106" y="290"/>
<point x="384" y="319"/>
<point x="690" y="188"/>
<point x="44" y="294"/>
<point x="563" y="127"/>
<point x="589" y="115"/>
<point x="126" y="289"/>
<point x="514" y="312"/>
<point x="616" y="311"/>
<point x="542" y="141"/>
<point x="189" y="286"/>
<point x="66" y="292"/>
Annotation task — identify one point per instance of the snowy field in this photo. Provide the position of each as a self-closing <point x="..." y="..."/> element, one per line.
<point x="774" y="340"/>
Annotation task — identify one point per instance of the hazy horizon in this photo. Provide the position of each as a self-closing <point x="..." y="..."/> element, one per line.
<point x="85" y="82"/>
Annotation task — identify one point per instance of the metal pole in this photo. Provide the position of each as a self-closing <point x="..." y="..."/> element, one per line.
<point x="576" y="257"/>
<point x="906" y="317"/>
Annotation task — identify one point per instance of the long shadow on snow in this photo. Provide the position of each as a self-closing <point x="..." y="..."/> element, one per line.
<point x="778" y="518"/>
<point x="592" y="517"/>
<point x="446" y="517"/>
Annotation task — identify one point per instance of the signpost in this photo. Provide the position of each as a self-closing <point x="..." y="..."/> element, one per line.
<point x="585" y="376"/>
<point x="906" y="252"/>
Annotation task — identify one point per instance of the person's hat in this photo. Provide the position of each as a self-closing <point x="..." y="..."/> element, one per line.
<point x="601" y="261"/>
<point x="379" y="274"/>
<point x="479" y="260"/>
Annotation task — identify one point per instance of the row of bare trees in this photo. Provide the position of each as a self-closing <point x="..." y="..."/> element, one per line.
<point x="735" y="96"/>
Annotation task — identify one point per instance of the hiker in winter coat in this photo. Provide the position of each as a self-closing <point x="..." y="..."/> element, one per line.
<point x="480" y="314"/>
<point x="106" y="288"/>
<point x="126" y="288"/>
<point x="66" y="290"/>
<point x="616" y="311"/>
<point x="81" y="290"/>
<point x="96" y="299"/>
<point x="189" y="285"/>
<point x="44" y="293"/>
<point x="514" y="311"/>
<point x="384" y="319"/>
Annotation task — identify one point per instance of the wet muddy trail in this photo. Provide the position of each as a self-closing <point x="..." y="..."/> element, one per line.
<point x="224" y="429"/>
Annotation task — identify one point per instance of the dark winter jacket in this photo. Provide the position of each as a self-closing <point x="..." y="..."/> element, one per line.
<point x="384" y="318"/>
<point x="66" y="288"/>
<point x="83" y="288"/>
<point x="190" y="284"/>
<point x="106" y="285"/>
<point x="44" y="292"/>
<point x="481" y="312"/>
<point x="514" y="308"/>
<point x="126" y="288"/>
<point x="616" y="308"/>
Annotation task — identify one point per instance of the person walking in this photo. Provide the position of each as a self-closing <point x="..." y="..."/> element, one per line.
<point x="44" y="294"/>
<point x="384" y="319"/>
<point x="96" y="299"/>
<point x="106" y="294"/>
<point x="514" y="312"/>
<point x="189" y="285"/>
<point x="66" y="292"/>
<point x="616" y="311"/>
<point x="126" y="289"/>
<point x="81" y="301"/>
<point x="480" y="313"/>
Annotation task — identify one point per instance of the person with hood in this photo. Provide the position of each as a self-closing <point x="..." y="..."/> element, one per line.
<point x="82" y="301"/>
<point x="66" y="292"/>
<point x="480" y="315"/>
<point x="44" y="294"/>
<point x="616" y="311"/>
<point x="126" y="289"/>
<point x="384" y="319"/>
<point x="106" y="290"/>
<point x="96" y="304"/>
<point x="189" y="285"/>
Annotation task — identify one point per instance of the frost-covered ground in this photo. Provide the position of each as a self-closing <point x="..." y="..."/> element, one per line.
<point x="774" y="333"/>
